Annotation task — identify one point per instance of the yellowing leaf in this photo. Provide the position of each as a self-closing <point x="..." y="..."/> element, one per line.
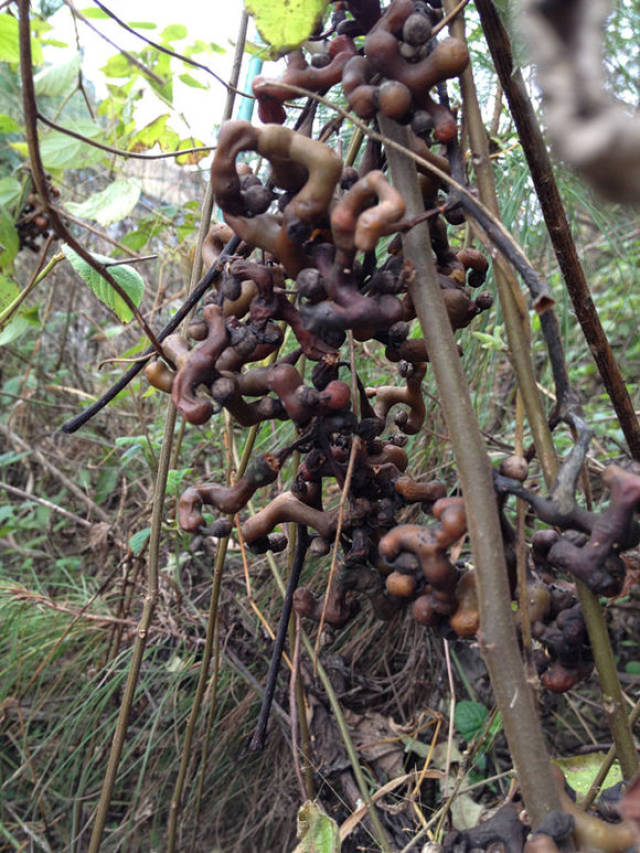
<point x="285" y="24"/>
<point x="195" y="156"/>
<point x="581" y="770"/>
<point x="317" y="832"/>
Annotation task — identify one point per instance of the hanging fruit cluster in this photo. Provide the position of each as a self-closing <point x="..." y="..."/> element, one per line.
<point x="317" y="229"/>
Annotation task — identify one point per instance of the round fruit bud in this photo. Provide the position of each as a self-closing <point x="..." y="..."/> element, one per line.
<point x="394" y="99"/>
<point x="416" y="29"/>
<point x="515" y="467"/>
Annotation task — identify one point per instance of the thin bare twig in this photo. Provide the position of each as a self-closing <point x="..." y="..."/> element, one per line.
<point x="228" y="86"/>
<point x="20" y="493"/>
<point x="302" y="543"/>
<point x="133" y="60"/>
<point x="120" y="152"/>
<point x="194" y="297"/>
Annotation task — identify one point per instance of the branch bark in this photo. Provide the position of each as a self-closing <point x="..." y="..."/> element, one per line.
<point x="498" y="634"/>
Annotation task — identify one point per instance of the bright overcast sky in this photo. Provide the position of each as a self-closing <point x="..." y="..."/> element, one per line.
<point x="216" y="21"/>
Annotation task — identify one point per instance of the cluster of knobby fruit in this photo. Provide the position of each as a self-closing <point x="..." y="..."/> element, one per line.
<point x="319" y="225"/>
<point x="589" y="546"/>
<point x="33" y="221"/>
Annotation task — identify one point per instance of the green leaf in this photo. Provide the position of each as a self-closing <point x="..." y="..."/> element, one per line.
<point x="135" y="240"/>
<point x="94" y="12"/>
<point x="317" y="832"/>
<point x="285" y="24"/>
<point x="57" y="80"/>
<point x="632" y="667"/>
<point x="9" y="240"/>
<point x="581" y="770"/>
<point x="119" y="66"/>
<point x="60" y="151"/>
<point x="111" y="204"/>
<point x="53" y="43"/>
<point x="139" y="540"/>
<point x="127" y="277"/>
<point x="9" y="40"/>
<point x="142" y="25"/>
<point x="106" y="485"/>
<point x="258" y="50"/>
<point x="470" y="718"/>
<point x="200" y="46"/>
<point x="9" y="46"/>
<point x="129" y="440"/>
<point x="174" y="32"/>
<point x="10" y="191"/>
<point x="31" y="315"/>
<point x="175" y="476"/>
<point x="12" y="456"/>
<point x="9" y="291"/>
<point x="14" y="329"/>
<point x="195" y="156"/>
<point x="492" y="342"/>
<point x="188" y="80"/>
<point x="8" y="124"/>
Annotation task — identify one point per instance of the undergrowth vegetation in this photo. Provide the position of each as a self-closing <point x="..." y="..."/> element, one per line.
<point x="75" y="518"/>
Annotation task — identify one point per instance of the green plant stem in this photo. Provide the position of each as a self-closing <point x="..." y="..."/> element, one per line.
<point x="13" y="306"/>
<point x="609" y="758"/>
<point x="498" y="635"/>
<point x="141" y="633"/>
<point x="556" y="221"/>
<point x="218" y="568"/>
<point x="612" y="699"/>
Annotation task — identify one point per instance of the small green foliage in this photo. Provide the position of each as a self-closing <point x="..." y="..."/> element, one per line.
<point x="111" y="204"/>
<point x="127" y="277"/>
<point x="175" y="476"/>
<point x="174" y="32"/>
<point x="56" y="80"/>
<point x="9" y="42"/>
<point x="155" y="132"/>
<point x="581" y="770"/>
<point x="94" y="12"/>
<point x="138" y="541"/>
<point x="317" y="832"/>
<point x="471" y="718"/>
<point x="8" y="125"/>
<point x="9" y="241"/>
